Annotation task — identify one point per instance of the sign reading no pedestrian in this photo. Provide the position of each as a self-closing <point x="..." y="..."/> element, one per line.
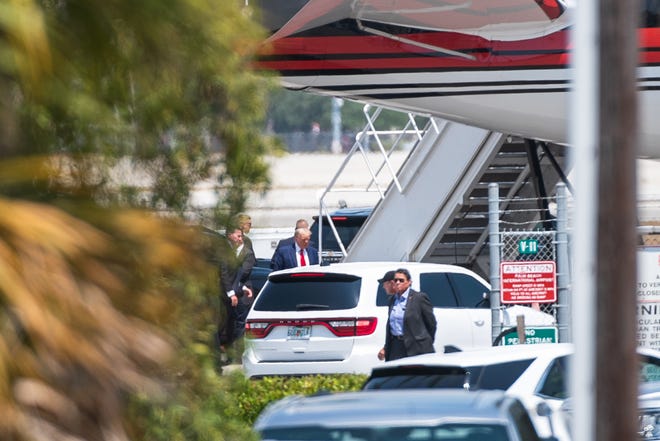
<point x="528" y="282"/>
<point x="532" y="336"/>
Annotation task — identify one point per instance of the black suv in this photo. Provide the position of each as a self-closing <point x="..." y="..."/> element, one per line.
<point x="347" y="222"/>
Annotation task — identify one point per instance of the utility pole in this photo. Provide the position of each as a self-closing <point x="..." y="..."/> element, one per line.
<point x="604" y="132"/>
<point x="616" y="324"/>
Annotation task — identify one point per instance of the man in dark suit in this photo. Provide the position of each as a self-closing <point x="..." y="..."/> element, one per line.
<point x="299" y="253"/>
<point x="411" y="325"/>
<point x="235" y="265"/>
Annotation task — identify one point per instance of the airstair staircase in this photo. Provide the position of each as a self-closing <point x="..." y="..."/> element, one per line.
<point x="435" y="208"/>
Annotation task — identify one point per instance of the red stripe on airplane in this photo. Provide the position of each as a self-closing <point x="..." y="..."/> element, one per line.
<point x="408" y="64"/>
<point x="373" y="52"/>
<point x="379" y="45"/>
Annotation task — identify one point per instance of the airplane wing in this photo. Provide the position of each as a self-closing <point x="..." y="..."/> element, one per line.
<point x="478" y="17"/>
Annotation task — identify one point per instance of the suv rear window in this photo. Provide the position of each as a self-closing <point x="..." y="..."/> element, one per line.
<point x="493" y="376"/>
<point x="347" y="229"/>
<point x="309" y="291"/>
<point x="347" y="221"/>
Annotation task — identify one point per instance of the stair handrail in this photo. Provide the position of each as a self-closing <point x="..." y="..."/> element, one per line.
<point x="411" y="127"/>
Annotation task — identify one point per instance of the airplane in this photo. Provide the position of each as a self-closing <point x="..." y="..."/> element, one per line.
<point x="503" y="65"/>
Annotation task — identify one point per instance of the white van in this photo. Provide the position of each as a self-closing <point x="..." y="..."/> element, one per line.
<point x="331" y="319"/>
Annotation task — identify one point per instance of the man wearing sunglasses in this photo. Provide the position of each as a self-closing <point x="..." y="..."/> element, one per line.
<point x="411" y="324"/>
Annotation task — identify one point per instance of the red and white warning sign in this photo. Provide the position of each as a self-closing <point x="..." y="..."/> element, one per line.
<point x="528" y="282"/>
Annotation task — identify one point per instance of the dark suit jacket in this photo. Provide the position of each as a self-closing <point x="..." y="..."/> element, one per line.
<point x="285" y="242"/>
<point x="419" y="325"/>
<point x="285" y="257"/>
<point x="235" y="270"/>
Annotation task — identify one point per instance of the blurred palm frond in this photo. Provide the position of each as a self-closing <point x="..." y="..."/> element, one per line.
<point x="78" y="308"/>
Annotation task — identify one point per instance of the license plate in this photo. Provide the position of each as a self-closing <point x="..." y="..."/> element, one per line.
<point x="299" y="332"/>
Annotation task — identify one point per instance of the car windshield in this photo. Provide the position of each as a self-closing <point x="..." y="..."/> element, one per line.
<point x="493" y="376"/>
<point x="445" y="432"/>
<point x="555" y="383"/>
<point x="309" y="291"/>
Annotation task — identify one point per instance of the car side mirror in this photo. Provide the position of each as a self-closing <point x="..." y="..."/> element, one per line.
<point x="543" y="410"/>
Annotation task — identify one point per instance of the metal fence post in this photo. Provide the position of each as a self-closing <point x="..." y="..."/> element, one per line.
<point x="494" y="240"/>
<point x="563" y="268"/>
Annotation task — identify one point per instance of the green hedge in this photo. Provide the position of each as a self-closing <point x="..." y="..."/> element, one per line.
<point x="251" y="396"/>
<point x="208" y="406"/>
<point x="196" y="401"/>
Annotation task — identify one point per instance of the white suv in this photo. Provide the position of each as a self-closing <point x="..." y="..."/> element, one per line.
<point x="331" y="319"/>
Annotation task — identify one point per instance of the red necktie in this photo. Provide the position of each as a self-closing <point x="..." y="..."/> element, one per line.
<point x="302" y="258"/>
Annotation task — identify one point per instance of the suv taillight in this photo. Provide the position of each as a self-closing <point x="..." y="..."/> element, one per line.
<point x="256" y="329"/>
<point x="341" y="327"/>
<point x="353" y="327"/>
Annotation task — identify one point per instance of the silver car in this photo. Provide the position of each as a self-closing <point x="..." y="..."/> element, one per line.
<point x="398" y="415"/>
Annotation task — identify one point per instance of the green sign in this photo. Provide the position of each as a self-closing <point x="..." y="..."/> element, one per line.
<point x="532" y="336"/>
<point x="528" y="246"/>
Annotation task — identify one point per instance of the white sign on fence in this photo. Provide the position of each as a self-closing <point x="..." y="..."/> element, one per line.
<point x="648" y="297"/>
<point x="527" y="282"/>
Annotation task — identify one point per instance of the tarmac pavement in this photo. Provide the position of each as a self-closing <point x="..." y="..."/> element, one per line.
<point x="299" y="179"/>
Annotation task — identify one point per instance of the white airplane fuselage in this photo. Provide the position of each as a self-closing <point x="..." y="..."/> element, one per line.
<point x="514" y="85"/>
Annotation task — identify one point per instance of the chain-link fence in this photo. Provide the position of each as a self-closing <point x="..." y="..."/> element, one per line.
<point x="530" y="246"/>
<point x="532" y="236"/>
